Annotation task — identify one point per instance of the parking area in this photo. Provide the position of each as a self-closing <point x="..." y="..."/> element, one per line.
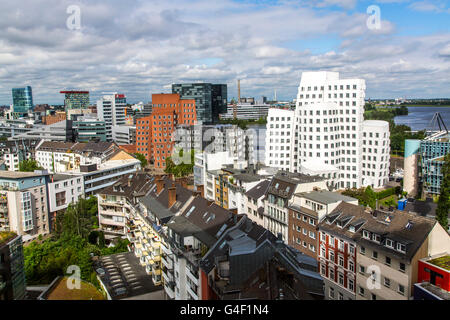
<point x="125" y="278"/>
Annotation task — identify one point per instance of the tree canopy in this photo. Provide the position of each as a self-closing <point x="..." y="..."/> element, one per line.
<point x="74" y="240"/>
<point x="182" y="169"/>
<point x="141" y="158"/>
<point x="29" y="166"/>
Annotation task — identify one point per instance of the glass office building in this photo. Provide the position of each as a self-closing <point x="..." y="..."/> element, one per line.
<point x="22" y="100"/>
<point x="76" y="99"/>
<point x="210" y="99"/>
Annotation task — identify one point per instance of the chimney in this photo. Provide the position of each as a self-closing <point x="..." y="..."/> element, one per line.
<point x="172" y="196"/>
<point x="159" y="185"/>
<point x="183" y="182"/>
<point x="239" y="91"/>
<point x="201" y="189"/>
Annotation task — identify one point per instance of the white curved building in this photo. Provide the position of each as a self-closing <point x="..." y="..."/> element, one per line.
<point x="376" y="153"/>
<point x="328" y="133"/>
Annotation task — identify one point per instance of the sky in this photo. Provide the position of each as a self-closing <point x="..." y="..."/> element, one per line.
<point x="139" y="47"/>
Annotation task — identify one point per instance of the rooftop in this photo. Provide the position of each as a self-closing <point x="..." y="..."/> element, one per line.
<point x="435" y="290"/>
<point x="259" y="190"/>
<point x="442" y="262"/>
<point x="124" y="277"/>
<point x="400" y="227"/>
<point x="59" y="291"/>
<point x="325" y="196"/>
<point x="5" y="236"/>
<point x="20" y="175"/>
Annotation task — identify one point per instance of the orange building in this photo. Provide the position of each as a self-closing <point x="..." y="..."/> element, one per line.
<point x="154" y="133"/>
<point x="57" y="117"/>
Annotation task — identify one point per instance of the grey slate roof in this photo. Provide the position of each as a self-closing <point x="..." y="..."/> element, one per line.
<point x="376" y="222"/>
<point x="259" y="190"/>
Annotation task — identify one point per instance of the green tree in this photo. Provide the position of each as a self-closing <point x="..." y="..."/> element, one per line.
<point x="29" y="165"/>
<point x="443" y="208"/>
<point x="142" y="159"/>
<point x="182" y="169"/>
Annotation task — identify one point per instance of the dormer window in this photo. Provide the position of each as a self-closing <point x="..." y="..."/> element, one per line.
<point x="351" y="228"/>
<point x="401" y="247"/>
<point x="339" y="224"/>
<point x="389" y="243"/>
<point x="366" y="234"/>
<point x="376" y="238"/>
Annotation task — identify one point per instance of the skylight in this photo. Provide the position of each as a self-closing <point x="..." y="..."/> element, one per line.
<point x="190" y="211"/>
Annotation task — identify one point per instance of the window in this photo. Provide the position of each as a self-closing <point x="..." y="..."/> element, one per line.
<point x="341" y="296"/>
<point x="331" y="293"/>
<point x="389" y="243"/>
<point x="331" y="256"/>
<point x="362" y="250"/>
<point x="402" y="267"/>
<point x="366" y="234"/>
<point x="351" y="285"/>
<point x="341" y="278"/>
<point x="374" y="297"/>
<point x="361" y="291"/>
<point x="331" y="274"/>
<point x="401" y="247"/>
<point x="351" y="249"/>
<point x="375" y="255"/>
<point x="351" y="266"/>
<point x="341" y="261"/>
<point x="362" y="269"/>
<point x="388" y="261"/>
<point x="387" y="282"/>
<point x="401" y="289"/>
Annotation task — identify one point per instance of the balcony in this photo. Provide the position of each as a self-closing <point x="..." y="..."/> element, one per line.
<point x="110" y="222"/>
<point x="165" y="249"/>
<point x="192" y="293"/>
<point x="168" y="263"/>
<point x="169" y="291"/>
<point x="167" y="275"/>
<point x="193" y="276"/>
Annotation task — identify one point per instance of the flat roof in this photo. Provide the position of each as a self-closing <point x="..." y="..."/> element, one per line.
<point x="325" y="196"/>
<point x="6" y="236"/>
<point x="441" y="262"/>
<point x="20" y="175"/>
<point x="123" y="270"/>
<point x="60" y="291"/>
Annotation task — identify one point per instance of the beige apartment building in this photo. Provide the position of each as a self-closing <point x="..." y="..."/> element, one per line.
<point x="24" y="204"/>
<point x="389" y="250"/>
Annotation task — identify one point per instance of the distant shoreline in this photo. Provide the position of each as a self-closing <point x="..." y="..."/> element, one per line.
<point x="425" y="106"/>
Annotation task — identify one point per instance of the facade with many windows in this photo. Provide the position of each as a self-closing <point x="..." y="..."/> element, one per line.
<point x="325" y="132"/>
<point x="374" y="254"/>
<point x="155" y="133"/>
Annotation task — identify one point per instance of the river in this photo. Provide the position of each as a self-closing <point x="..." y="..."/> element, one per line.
<point x="419" y="118"/>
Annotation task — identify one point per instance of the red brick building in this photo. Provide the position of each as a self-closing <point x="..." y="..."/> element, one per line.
<point x="154" y="133"/>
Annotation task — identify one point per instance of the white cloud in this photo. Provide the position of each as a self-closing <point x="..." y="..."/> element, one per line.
<point x="138" y="47"/>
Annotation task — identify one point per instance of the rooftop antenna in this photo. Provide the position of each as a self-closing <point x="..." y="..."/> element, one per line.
<point x="275" y="95"/>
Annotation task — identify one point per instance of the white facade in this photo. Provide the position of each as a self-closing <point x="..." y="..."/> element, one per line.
<point x="112" y="211"/>
<point x="280" y="140"/>
<point x="209" y="161"/>
<point x="64" y="190"/>
<point x="328" y="131"/>
<point x="376" y="153"/>
<point x="111" y="109"/>
<point x="124" y="134"/>
<point x="61" y="162"/>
